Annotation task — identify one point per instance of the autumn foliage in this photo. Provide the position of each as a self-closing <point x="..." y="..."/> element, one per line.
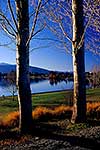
<point x="93" y="110"/>
<point x="42" y="113"/>
<point x="51" y="112"/>
<point x="11" y="120"/>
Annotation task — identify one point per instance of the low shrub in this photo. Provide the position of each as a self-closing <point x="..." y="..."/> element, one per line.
<point x="11" y="120"/>
<point x="44" y="113"/>
<point x="61" y="110"/>
<point x="47" y="113"/>
<point x="93" y="110"/>
<point x="41" y="113"/>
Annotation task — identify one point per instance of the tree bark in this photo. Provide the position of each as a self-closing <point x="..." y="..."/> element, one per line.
<point x="22" y="68"/>
<point x="79" y="103"/>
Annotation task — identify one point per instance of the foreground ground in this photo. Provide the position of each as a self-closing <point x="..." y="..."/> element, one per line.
<point x="52" y="129"/>
<point x="53" y="137"/>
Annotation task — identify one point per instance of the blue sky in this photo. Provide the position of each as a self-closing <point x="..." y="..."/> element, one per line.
<point x="49" y="57"/>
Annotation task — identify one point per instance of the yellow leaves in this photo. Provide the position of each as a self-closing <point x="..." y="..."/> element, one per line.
<point x="94" y="106"/>
<point x="12" y="119"/>
<point x="40" y="111"/>
<point x="61" y="109"/>
<point x="93" y="110"/>
<point x="43" y="111"/>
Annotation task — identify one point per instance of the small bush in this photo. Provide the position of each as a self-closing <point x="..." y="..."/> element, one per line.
<point x="47" y="113"/>
<point x="93" y="110"/>
<point x="62" y="110"/>
<point x="44" y="113"/>
<point x="41" y="113"/>
<point x="12" y="119"/>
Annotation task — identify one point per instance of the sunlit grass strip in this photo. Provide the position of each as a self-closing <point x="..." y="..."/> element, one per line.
<point x="93" y="110"/>
<point x="93" y="106"/>
<point x="46" y="99"/>
<point x="12" y="119"/>
<point x="56" y="111"/>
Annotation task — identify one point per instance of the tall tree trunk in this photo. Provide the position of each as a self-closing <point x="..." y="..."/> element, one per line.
<point x="22" y="61"/>
<point x="79" y="104"/>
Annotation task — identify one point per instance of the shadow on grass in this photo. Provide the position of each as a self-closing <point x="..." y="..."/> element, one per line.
<point x="54" y="132"/>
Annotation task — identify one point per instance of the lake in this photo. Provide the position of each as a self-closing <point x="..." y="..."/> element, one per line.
<point x="36" y="87"/>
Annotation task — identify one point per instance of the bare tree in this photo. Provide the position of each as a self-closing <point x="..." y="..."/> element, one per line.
<point x="10" y="87"/>
<point x="70" y="21"/>
<point x="15" y="22"/>
<point x="94" y="79"/>
<point x="79" y="104"/>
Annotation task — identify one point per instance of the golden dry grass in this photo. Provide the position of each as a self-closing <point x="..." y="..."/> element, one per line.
<point x="11" y="120"/>
<point x="94" y="106"/>
<point x="93" y="110"/>
<point x="56" y="111"/>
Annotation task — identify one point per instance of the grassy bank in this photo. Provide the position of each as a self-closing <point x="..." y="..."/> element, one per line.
<point x="46" y="99"/>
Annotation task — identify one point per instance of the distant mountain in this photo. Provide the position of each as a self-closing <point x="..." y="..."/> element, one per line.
<point x="6" y="68"/>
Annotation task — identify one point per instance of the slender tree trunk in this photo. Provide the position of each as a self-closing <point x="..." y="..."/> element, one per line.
<point x="22" y="70"/>
<point x="13" y="95"/>
<point x="79" y="104"/>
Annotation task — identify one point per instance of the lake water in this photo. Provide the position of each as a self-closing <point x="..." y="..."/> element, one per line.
<point x="37" y="87"/>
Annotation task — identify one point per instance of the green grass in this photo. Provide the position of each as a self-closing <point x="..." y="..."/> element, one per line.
<point x="7" y="105"/>
<point x="54" y="98"/>
<point x="46" y="99"/>
<point x="93" y="94"/>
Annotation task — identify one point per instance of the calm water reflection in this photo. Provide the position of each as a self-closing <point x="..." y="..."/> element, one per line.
<point x="36" y="87"/>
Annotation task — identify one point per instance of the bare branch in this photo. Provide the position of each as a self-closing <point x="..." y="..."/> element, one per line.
<point x="34" y="22"/>
<point x="56" y="42"/>
<point x="5" y="45"/>
<point x="48" y="39"/>
<point x="66" y="35"/>
<point x="7" y="31"/>
<point x="86" y="26"/>
<point x="52" y="29"/>
<point x="12" y="15"/>
<point x="44" y="3"/>
<point x="81" y="41"/>
<point x="38" y="31"/>
<point x="40" y="47"/>
<point x="7" y="20"/>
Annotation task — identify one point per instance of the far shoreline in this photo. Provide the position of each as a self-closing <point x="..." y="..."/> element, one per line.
<point x="46" y="92"/>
